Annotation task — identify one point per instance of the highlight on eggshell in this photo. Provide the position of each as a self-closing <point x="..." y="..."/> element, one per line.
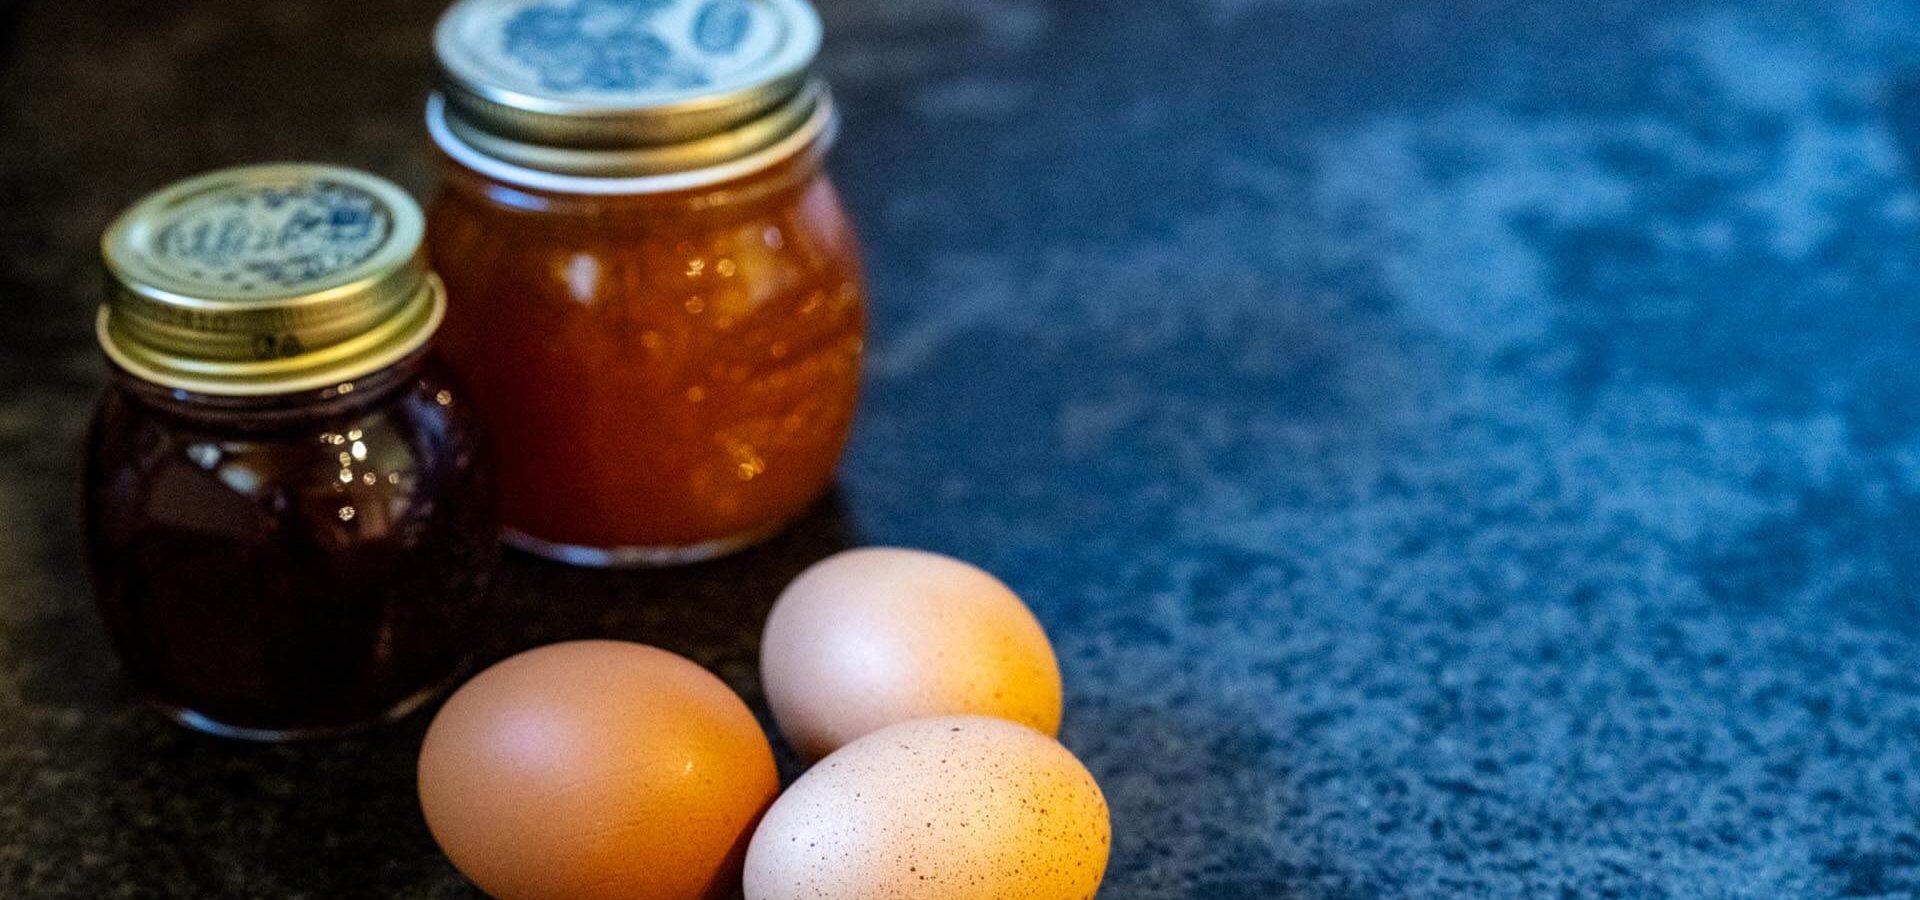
<point x="596" y="770"/>
<point x="952" y="808"/>
<point x="877" y="636"/>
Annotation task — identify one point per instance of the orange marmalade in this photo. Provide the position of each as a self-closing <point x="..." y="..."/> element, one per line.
<point x="654" y="292"/>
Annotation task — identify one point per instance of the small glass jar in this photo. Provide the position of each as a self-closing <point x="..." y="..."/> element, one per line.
<point x="656" y="293"/>
<point x="289" y="512"/>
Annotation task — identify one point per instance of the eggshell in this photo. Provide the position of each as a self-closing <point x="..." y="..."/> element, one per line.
<point x="596" y="770"/>
<point x="953" y="808"/>
<point x="871" y="637"/>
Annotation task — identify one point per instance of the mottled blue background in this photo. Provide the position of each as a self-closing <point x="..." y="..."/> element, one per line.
<point x="1460" y="449"/>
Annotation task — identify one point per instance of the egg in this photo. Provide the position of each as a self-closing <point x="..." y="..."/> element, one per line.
<point x="596" y="770"/>
<point x="952" y="808"/>
<point x="871" y="637"/>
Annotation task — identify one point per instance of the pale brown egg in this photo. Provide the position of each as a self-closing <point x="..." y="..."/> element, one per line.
<point x="871" y="637"/>
<point x="596" y="770"/>
<point x="957" y="808"/>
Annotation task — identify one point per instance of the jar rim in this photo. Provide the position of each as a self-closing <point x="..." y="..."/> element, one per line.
<point x="271" y="410"/>
<point x="816" y="132"/>
<point x="402" y="336"/>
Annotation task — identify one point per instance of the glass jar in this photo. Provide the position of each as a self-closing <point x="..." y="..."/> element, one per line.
<point x="289" y="512"/>
<point x="656" y="293"/>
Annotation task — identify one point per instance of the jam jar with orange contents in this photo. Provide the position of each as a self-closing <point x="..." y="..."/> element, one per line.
<point x="655" y="292"/>
<point x="289" y="511"/>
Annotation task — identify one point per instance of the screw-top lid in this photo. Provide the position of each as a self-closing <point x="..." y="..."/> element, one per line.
<point x="626" y="87"/>
<point x="267" y="279"/>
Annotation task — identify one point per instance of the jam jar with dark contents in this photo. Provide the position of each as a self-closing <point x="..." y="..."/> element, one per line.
<point x="289" y="512"/>
<point x="656" y="292"/>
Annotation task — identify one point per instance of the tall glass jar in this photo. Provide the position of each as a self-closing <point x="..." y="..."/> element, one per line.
<point x="289" y="512"/>
<point x="656" y="294"/>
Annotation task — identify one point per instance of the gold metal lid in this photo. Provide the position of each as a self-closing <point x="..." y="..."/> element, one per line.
<point x="621" y="88"/>
<point x="266" y="280"/>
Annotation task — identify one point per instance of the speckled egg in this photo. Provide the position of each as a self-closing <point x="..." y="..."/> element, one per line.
<point x="872" y="637"/>
<point x="596" y="770"/>
<point x="954" y="808"/>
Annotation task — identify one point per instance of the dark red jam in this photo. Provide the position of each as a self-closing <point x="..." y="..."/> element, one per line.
<point x="294" y="565"/>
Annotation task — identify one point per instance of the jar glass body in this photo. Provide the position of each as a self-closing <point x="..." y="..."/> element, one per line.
<point x="295" y="565"/>
<point x="670" y="376"/>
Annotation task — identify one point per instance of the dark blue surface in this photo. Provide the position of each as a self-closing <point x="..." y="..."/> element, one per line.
<point x="1460" y="449"/>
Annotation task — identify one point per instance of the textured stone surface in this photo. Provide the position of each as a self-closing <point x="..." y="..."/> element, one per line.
<point x="1461" y="449"/>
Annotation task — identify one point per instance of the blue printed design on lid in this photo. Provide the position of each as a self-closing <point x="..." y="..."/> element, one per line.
<point x="721" y="25"/>
<point x="620" y="45"/>
<point x="273" y="236"/>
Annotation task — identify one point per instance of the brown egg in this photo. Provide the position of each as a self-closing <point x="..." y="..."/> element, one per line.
<point x="868" y="638"/>
<point x="596" y="770"/>
<point x="959" y="808"/>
